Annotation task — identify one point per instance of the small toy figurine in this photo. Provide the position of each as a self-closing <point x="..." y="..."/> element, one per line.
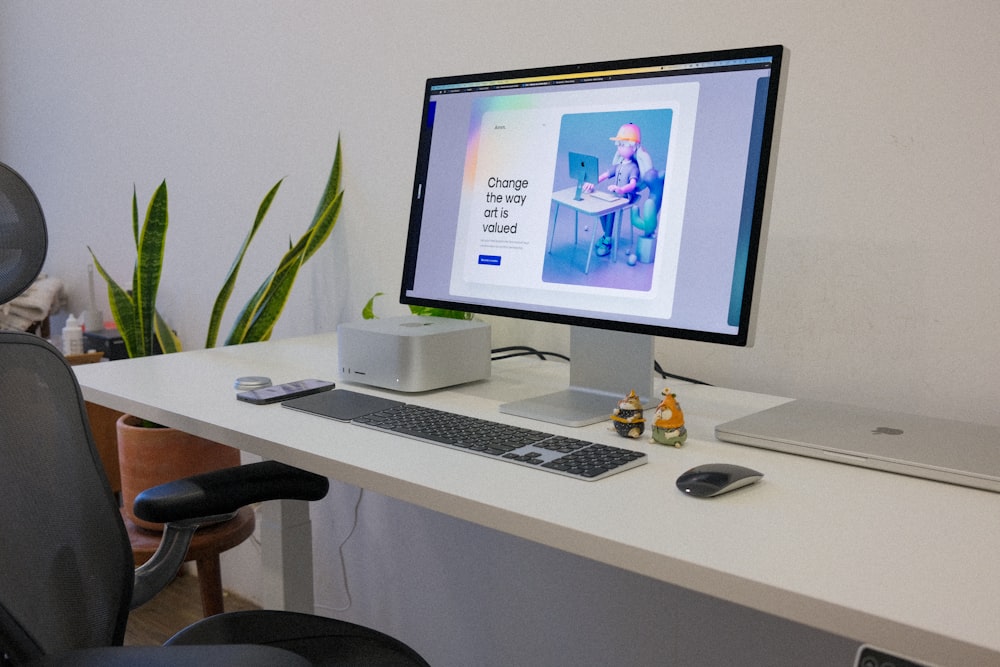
<point x="668" y="426"/>
<point x="627" y="417"/>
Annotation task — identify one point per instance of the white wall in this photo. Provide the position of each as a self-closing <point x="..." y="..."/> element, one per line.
<point x="881" y="282"/>
<point x="880" y="279"/>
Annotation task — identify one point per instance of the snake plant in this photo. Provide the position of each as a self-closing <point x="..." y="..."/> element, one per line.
<point x="134" y="311"/>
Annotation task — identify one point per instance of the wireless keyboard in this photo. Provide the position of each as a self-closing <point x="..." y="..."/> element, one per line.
<point x="544" y="451"/>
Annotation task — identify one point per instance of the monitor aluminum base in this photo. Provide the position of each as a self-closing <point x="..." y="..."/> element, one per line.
<point x="604" y="367"/>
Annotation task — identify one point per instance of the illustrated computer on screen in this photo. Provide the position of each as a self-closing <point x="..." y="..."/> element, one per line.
<point x="503" y="222"/>
<point x="583" y="169"/>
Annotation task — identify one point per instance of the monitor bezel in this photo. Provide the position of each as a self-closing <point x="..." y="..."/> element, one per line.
<point x="743" y="335"/>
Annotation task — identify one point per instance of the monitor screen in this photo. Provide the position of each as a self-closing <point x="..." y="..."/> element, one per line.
<point x="509" y="217"/>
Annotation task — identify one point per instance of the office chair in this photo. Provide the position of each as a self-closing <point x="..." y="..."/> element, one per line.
<point x="23" y="239"/>
<point x="67" y="580"/>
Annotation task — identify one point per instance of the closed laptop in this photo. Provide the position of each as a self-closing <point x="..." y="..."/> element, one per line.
<point x="921" y="446"/>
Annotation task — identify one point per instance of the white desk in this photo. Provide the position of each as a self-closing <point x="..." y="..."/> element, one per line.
<point x="593" y="206"/>
<point x="905" y="564"/>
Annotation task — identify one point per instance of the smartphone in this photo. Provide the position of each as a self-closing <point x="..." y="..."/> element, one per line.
<point x="284" y="392"/>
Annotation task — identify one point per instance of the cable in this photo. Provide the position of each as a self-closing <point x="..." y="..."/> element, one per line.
<point x="343" y="562"/>
<point x="665" y="375"/>
<point x="525" y="351"/>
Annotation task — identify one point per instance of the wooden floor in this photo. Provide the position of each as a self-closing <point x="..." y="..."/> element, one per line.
<point x="174" y="608"/>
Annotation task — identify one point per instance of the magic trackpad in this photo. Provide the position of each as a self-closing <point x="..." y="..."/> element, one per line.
<point x="341" y="404"/>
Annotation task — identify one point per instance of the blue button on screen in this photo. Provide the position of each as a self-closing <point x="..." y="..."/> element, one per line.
<point x="490" y="260"/>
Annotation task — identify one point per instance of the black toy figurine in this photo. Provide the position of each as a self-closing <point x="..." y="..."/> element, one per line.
<point x="627" y="417"/>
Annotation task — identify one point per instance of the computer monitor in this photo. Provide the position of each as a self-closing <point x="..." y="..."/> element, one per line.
<point x="583" y="169"/>
<point x="665" y="244"/>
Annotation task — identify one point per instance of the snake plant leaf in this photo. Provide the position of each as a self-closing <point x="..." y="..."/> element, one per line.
<point x="269" y="308"/>
<point x="222" y="300"/>
<point x="135" y="218"/>
<point x="263" y="309"/>
<point x="275" y="299"/>
<point x="149" y="263"/>
<point x="165" y="336"/>
<point x="238" y="331"/>
<point x="268" y="298"/>
<point x="332" y="185"/>
<point x="257" y="319"/>
<point x="135" y="310"/>
<point x="323" y="226"/>
<point x="122" y="310"/>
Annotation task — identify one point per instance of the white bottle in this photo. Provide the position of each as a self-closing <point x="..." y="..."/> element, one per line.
<point x="72" y="336"/>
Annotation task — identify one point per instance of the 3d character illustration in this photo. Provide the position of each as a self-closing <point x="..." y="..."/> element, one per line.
<point x="625" y="174"/>
<point x="627" y="417"/>
<point x="668" y="423"/>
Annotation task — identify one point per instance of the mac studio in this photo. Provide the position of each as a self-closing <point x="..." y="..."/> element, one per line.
<point x="878" y="274"/>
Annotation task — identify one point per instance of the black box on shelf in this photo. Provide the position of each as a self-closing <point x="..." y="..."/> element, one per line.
<point x="107" y="341"/>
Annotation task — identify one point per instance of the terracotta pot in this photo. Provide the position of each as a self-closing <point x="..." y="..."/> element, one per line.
<point x="151" y="456"/>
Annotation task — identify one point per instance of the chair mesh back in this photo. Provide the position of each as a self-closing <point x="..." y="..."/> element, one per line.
<point x="23" y="240"/>
<point x="65" y="561"/>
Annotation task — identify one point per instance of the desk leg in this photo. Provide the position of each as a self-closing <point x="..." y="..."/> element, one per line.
<point x="593" y="239"/>
<point x="576" y="229"/>
<point x="286" y="554"/>
<point x="555" y="219"/>
<point x="619" y="221"/>
<point x="615" y="233"/>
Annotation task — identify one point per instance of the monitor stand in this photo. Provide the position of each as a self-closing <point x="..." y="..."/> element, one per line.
<point x="604" y="367"/>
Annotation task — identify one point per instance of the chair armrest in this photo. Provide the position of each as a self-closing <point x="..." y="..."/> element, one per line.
<point x="225" y="491"/>
<point x="185" y="504"/>
<point x="153" y="576"/>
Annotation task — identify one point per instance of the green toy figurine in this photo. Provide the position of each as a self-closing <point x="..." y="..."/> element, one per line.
<point x="668" y="425"/>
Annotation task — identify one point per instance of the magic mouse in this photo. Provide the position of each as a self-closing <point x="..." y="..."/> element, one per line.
<point x="714" y="479"/>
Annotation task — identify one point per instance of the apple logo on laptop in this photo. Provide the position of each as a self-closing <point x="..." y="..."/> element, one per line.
<point x="887" y="430"/>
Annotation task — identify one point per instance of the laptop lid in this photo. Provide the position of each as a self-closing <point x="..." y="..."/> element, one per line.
<point x="930" y="447"/>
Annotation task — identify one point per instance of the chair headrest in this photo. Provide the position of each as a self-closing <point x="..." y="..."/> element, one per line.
<point x="23" y="239"/>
